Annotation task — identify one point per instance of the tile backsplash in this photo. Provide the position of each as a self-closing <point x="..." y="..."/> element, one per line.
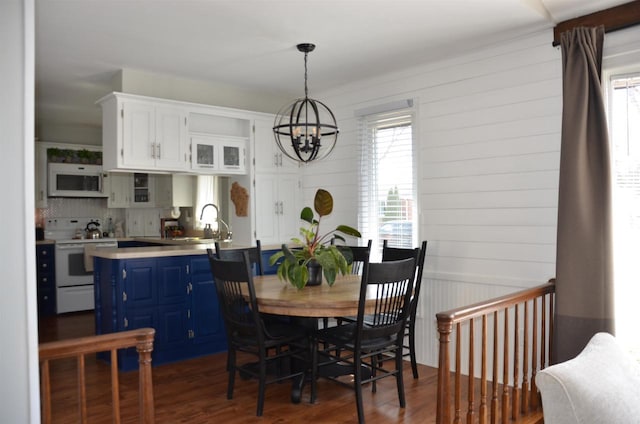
<point x="79" y="207"/>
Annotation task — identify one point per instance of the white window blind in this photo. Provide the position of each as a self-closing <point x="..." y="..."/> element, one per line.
<point x="387" y="180"/>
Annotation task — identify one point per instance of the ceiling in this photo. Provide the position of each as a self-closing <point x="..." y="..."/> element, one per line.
<point x="82" y="44"/>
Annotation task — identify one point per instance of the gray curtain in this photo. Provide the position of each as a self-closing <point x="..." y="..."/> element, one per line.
<point x="584" y="262"/>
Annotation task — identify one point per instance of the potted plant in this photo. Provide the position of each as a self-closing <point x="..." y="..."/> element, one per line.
<point x="316" y="254"/>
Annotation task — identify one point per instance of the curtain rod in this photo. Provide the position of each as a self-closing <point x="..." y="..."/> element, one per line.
<point x="613" y="19"/>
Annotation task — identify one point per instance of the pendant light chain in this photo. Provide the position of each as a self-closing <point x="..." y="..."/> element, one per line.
<point x="306" y="90"/>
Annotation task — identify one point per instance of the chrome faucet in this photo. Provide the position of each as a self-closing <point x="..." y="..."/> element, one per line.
<point x="214" y="207"/>
<point x="215" y="234"/>
<point x="208" y="233"/>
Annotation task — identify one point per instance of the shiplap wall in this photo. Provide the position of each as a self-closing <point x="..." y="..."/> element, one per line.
<point x="488" y="149"/>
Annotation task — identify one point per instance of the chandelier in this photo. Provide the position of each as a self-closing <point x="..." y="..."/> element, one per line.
<point x="305" y="130"/>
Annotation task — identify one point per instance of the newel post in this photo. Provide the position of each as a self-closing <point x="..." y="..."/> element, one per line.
<point x="445" y="327"/>
<point x="144" y="348"/>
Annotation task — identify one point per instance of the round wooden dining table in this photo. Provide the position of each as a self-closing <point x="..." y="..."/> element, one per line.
<point x="278" y="297"/>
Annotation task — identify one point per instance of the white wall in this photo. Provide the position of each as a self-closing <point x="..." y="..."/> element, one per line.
<point x="19" y="392"/>
<point x="488" y="135"/>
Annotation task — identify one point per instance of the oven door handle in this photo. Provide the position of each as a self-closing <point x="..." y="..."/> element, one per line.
<point x="70" y="246"/>
<point x="106" y="244"/>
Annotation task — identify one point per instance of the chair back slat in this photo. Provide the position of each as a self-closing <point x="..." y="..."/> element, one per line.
<point x="392" y="282"/>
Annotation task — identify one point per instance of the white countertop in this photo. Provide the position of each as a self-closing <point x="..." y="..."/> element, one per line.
<point x="151" y="251"/>
<point x="177" y="248"/>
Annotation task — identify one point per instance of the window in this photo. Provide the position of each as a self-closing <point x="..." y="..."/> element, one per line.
<point x="206" y="192"/>
<point x="624" y="126"/>
<point x="387" y="207"/>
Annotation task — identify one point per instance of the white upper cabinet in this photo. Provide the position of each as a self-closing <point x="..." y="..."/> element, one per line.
<point x="174" y="190"/>
<point x="267" y="155"/>
<point x="157" y="135"/>
<point x="143" y="134"/>
<point x="172" y="145"/>
<point x="118" y="186"/>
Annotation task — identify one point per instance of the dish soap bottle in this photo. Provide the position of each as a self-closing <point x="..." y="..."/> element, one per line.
<point x="110" y="228"/>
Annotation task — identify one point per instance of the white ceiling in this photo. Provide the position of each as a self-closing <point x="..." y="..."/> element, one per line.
<point x="81" y="44"/>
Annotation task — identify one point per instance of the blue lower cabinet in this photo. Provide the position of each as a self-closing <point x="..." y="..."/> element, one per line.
<point x="206" y="318"/>
<point x="266" y="268"/>
<point x="46" y="279"/>
<point x="175" y="295"/>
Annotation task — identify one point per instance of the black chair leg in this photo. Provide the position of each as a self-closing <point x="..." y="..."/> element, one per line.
<point x="357" y="372"/>
<point x="374" y="366"/>
<point x="261" y="384"/>
<point x="412" y="349"/>
<point x="231" y="367"/>
<point x="314" y="371"/>
<point x="399" y="378"/>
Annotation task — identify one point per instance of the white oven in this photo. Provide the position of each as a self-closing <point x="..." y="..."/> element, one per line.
<point x="74" y="283"/>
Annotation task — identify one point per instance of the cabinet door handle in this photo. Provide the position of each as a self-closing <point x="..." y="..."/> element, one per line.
<point x="276" y="208"/>
<point x="280" y="159"/>
<point x="153" y="150"/>
<point x="281" y="208"/>
<point x="275" y="159"/>
<point x="159" y="155"/>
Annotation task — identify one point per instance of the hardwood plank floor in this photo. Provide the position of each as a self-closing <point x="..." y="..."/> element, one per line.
<point x="194" y="391"/>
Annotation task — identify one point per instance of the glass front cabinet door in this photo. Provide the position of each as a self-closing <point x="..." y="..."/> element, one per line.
<point x="218" y="155"/>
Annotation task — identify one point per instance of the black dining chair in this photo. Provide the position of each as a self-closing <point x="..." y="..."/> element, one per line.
<point x="274" y="344"/>
<point x="393" y="254"/>
<point x="235" y="254"/>
<point x="359" y="256"/>
<point x="358" y="345"/>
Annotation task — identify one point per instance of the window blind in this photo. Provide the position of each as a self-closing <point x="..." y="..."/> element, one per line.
<point x="387" y="180"/>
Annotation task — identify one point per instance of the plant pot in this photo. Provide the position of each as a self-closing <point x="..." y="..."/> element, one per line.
<point x="315" y="273"/>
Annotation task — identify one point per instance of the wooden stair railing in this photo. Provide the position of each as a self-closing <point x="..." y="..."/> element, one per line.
<point x="141" y="339"/>
<point x="516" y="332"/>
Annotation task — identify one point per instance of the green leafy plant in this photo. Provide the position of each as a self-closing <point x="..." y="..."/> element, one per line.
<point x="315" y="248"/>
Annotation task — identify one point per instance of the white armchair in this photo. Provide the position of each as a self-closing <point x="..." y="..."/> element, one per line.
<point x="599" y="386"/>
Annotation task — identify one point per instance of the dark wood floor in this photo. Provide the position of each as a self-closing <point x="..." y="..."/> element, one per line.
<point x="194" y="391"/>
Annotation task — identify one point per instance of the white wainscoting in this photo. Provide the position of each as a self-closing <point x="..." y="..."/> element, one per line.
<point x="440" y="295"/>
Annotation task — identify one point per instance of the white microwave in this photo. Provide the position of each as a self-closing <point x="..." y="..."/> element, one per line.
<point x="75" y="180"/>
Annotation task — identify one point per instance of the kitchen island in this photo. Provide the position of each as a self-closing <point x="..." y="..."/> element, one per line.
<point x="168" y="288"/>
